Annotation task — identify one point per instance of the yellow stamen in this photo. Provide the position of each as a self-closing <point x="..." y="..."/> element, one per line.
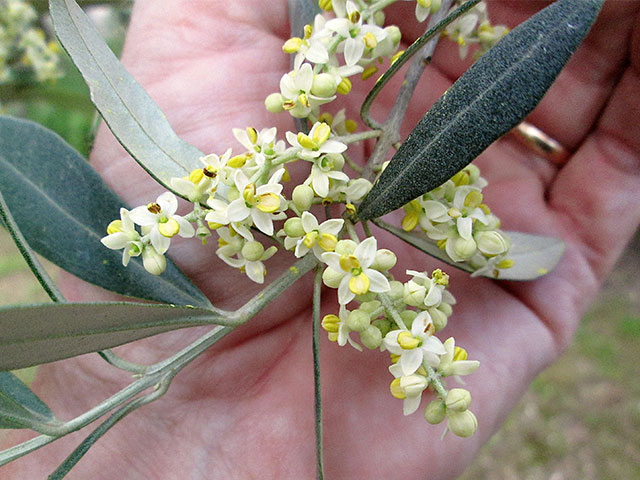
<point x="308" y="30"/>
<point x="440" y="278"/>
<point x="359" y="284"/>
<point x="196" y="175"/>
<point x="321" y="133"/>
<point x="473" y="199"/>
<point x="310" y="239"/>
<point x="394" y="358"/>
<point x="326" y="5"/>
<point x="369" y="72"/>
<point x="306" y="142"/>
<point x="154" y="207"/>
<point x="396" y="390"/>
<point x="268" y="202"/>
<point x="253" y="134"/>
<point x="328" y="242"/>
<point x="249" y="193"/>
<point x="350" y="125"/>
<point x="410" y="221"/>
<point x="326" y="117"/>
<point x="169" y="228"/>
<point x="370" y="40"/>
<point x="349" y="262"/>
<point x="459" y="354"/>
<point x="237" y="161"/>
<point x="304" y="101"/>
<point x="114" y="227"/>
<point x="214" y="225"/>
<point x="291" y="46"/>
<point x="408" y="341"/>
<point x="460" y="178"/>
<point x="330" y="323"/>
<point x="344" y="86"/>
<point x="210" y="171"/>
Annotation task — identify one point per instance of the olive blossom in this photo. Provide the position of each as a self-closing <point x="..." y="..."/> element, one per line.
<point x="122" y="234"/>
<point x="159" y="221"/>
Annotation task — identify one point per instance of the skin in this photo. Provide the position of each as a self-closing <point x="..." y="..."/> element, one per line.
<point x="244" y="408"/>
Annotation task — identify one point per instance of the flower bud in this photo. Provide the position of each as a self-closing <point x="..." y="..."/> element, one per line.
<point x="324" y="85"/>
<point x="462" y="249"/>
<point x="293" y="227"/>
<point x="371" y="337"/>
<point x="383" y="325"/>
<point x="463" y="424"/>
<point x="379" y="17"/>
<point x="366" y="297"/>
<point x="393" y="34"/>
<point x="413" y="385"/>
<point x="491" y="243"/>
<point x="397" y="290"/>
<point x="370" y="307"/>
<point x="331" y="278"/>
<point x="302" y="197"/>
<point x="458" y="400"/>
<point x="414" y="293"/>
<point x="384" y="260"/>
<point x="408" y="316"/>
<point x="252" y="251"/>
<point x="435" y="412"/>
<point x="439" y="319"/>
<point x="358" y="320"/>
<point x="274" y="103"/>
<point x="153" y="262"/>
<point x="346" y="247"/>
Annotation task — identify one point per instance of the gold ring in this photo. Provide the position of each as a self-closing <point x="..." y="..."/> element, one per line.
<point x="542" y="144"/>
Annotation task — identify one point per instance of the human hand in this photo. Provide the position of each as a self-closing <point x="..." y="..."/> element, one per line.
<point x="246" y="407"/>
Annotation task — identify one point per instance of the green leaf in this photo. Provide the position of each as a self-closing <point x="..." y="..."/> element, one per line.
<point x="131" y="114"/>
<point x="63" y="207"/>
<point x="36" y="334"/>
<point x="534" y="255"/>
<point x="488" y="100"/>
<point x="20" y="407"/>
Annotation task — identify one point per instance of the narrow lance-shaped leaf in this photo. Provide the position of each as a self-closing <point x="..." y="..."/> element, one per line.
<point x="488" y="100"/>
<point x="62" y="207"/>
<point x="20" y="407"/>
<point x="36" y="334"/>
<point x="131" y="114"/>
<point x="533" y="255"/>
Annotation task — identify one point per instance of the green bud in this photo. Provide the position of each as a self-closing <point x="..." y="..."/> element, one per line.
<point x="367" y="297"/>
<point x="414" y="293"/>
<point x="463" y="249"/>
<point x="302" y="197"/>
<point x="252" y="251"/>
<point x="446" y="309"/>
<point x="383" y="325"/>
<point x="358" y="320"/>
<point x="384" y="260"/>
<point x="370" y="307"/>
<point x="397" y="290"/>
<point x="293" y="227"/>
<point x="440" y="320"/>
<point x="473" y="172"/>
<point x="274" y="103"/>
<point x="153" y="262"/>
<point x="458" y="400"/>
<point x="324" y="85"/>
<point x="371" y="337"/>
<point x="346" y="247"/>
<point x="435" y="412"/>
<point x="331" y="278"/>
<point x="393" y="34"/>
<point x="491" y="243"/>
<point x="408" y="316"/>
<point x="463" y="424"/>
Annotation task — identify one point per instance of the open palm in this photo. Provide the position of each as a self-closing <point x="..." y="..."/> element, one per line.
<point x="245" y="409"/>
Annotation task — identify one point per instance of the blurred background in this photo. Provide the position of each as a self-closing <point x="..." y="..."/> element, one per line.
<point x="579" y="420"/>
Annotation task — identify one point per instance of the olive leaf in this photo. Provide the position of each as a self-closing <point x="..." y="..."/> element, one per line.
<point x="36" y="334"/>
<point x="133" y="117"/>
<point x="488" y="100"/>
<point x="20" y="407"/>
<point x="62" y="208"/>
<point x="533" y="255"/>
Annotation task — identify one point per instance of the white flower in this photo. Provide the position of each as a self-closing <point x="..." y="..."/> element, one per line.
<point x="255" y="269"/>
<point x="409" y="388"/>
<point x="316" y="143"/>
<point x="432" y="290"/>
<point x="454" y="361"/>
<point x="344" y="331"/>
<point x="416" y="347"/>
<point x="260" y="204"/>
<point x="319" y="238"/>
<point x="357" y="277"/>
<point x="295" y="88"/>
<point x="260" y="144"/>
<point x="160" y="222"/>
<point x="122" y="234"/>
<point x="322" y="171"/>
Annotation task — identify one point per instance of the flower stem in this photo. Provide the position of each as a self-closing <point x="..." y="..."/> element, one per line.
<point x="317" y="297"/>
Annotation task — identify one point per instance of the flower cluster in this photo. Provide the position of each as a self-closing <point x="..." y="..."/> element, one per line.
<point x="25" y="53"/>
<point x="454" y="216"/>
<point x="475" y="28"/>
<point x="242" y="199"/>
